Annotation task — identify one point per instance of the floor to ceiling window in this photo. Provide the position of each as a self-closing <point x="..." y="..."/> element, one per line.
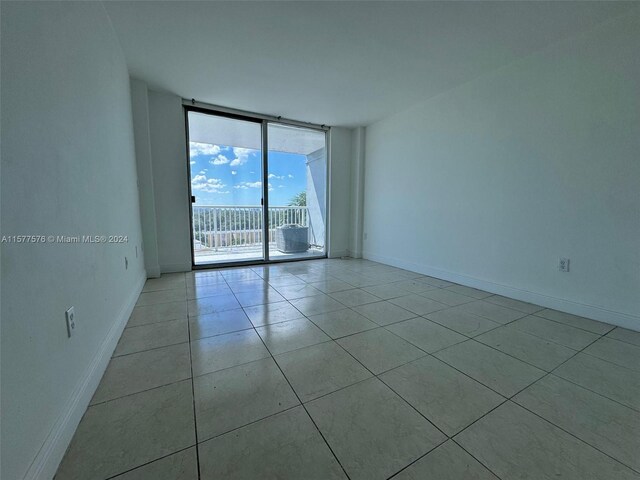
<point x="259" y="189"/>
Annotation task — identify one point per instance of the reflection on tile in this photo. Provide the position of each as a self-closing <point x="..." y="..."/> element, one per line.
<point x="528" y="348"/>
<point x="502" y="373"/>
<point x="144" y="370"/>
<point x="449" y="399"/>
<point x="179" y="466"/>
<point x="331" y="285"/>
<point x="515" y="443"/>
<point x="259" y="297"/>
<point x="384" y="313"/>
<point x="218" y="323"/>
<point x="316" y="305"/>
<point x="160" y="312"/>
<point x="231" y="398"/>
<point x="282" y="280"/>
<point x="575" y="321"/>
<point x="380" y="350"/>
<point x="418" y="304"/>
<point x="147" y="337"/>
<point x="286" y="445"/>
<point x="272" y="313"/>
<point x="210" y="290"/>
<point x="255" y="285"/>
<point x="320" y="369"/>
<point x="291" y="335"/>
<point x="223" y="351"/>
<point x="220" y="303"/>
<point x="426" y="335"/>
<point x="464" y="323"/>
<point x="447" y="462"/>
<point x="342" y="323"/>
<point x="372" y="431"/>
<point x="618" y="383"/>
<point x="555" y="332"/>
<point x="291" y="292"/>
<point x="602" y="423"/>
<point x="620" y="353"/>
<point x="116" y="436"/>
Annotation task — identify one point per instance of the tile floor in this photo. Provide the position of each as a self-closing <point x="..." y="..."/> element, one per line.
<point x="352" y="369"/>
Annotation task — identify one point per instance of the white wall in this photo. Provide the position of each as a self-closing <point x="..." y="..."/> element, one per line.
<point x="489" y="183"/>
<point x="317" y="196"/>
<point x="170" y="187"/>
<point x="171" y="190"/>
<point x="68" y="168"/>
<point x="140" y="112"/>
<point x="339" y="197"/>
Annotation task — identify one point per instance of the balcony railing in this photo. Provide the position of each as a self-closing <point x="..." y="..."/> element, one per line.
<point x="224" y="226"/>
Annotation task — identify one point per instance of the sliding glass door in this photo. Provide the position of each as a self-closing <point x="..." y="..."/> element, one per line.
<point x="296" y="176"/>
<point x="251" y="204"/>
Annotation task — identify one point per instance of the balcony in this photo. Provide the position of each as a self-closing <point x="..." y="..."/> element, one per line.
<point x="229" y="233"/>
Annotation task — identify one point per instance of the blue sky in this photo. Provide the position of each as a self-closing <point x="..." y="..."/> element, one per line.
<point x="222" y="175"/>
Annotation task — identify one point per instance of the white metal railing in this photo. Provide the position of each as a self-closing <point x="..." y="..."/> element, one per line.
<point x="217" y="226"/>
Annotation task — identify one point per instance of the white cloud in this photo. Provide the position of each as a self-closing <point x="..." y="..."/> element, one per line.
<point x="192" y="162"/>
<point x="290" y="176"/>
<point x="219" y="160"/>
<point x="279" y="177"/>
<point x="242" y="155"/>
<point x="196" y="148"/>
<point x="245" y="185"/>
<point x="207" y="185"/>
<point x="233" y="172"/>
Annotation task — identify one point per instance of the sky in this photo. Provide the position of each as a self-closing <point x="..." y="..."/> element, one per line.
<point x="223" y="175"/>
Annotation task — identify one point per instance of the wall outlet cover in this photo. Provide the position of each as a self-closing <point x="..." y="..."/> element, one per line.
<point x="563" y="264"/>
<point x="70" y="316"/>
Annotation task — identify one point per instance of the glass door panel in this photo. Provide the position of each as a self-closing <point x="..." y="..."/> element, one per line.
<point x="225" y="164"/>
<point x="297" y="203"/>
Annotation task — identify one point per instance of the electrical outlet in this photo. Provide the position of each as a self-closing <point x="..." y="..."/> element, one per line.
<point x="563" y="264"/>
<point x="126" y="263"/>
<point x="70" y="316"/>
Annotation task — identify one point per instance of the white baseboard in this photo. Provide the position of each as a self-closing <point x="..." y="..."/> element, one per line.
<point x="338" y="254"/>
<point x="45" y="463"/>
<point x="593" y="312"/>
<point x="175" y="267"/>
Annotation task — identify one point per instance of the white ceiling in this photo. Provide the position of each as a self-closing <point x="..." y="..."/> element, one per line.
<point x="337" y="63"/>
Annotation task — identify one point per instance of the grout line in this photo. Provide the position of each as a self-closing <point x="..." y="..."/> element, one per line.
<point x="149" y="462"/>
<point x="363" y="273"/>
<point x="123" y="355"/>
<point x="193" y="396"/>
<point x="300" y="401"/>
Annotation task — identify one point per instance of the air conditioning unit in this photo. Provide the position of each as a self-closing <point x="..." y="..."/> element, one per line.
<point x="292" y="238"/>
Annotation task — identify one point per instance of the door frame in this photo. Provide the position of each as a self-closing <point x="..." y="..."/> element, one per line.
<point x="265" y="121"/>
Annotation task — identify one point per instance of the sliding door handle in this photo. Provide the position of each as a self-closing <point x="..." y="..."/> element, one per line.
<point x="193" y="199"/>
